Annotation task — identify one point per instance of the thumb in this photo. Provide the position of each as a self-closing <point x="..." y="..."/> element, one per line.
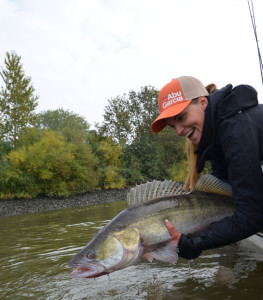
<point x="175" y="234"/>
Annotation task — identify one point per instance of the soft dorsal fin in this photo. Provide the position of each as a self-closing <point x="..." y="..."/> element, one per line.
<point x="153" y="190"/>
<point x="211" y="184"/>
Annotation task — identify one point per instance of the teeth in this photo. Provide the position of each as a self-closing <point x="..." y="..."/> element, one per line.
<point x="187" y="135"/>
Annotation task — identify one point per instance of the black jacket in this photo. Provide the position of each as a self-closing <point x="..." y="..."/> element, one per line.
<point x="232" y="139"/>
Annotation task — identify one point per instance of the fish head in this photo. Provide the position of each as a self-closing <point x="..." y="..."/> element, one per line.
<point x="108" y="253"/>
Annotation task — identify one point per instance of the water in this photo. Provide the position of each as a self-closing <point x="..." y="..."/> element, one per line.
<point x="36" y="248"/>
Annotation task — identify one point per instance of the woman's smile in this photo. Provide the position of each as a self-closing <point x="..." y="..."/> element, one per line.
<point x="189" y="123"/>
<point x="190" y="133"/>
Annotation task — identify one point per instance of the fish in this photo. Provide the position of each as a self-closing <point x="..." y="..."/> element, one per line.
<point x="140" y="231"/>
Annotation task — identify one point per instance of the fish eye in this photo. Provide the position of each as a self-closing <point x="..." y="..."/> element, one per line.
<point x="90" y="255"/>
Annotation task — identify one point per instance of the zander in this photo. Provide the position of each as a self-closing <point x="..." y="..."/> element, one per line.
<point x="140" y="229"/>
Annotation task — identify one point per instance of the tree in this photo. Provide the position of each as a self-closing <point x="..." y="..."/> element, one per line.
<point x="109" y="154"/>
<point x="17" y="99"/>
<point x="116" y="121"/>
<point x="129" y="117"/>
<point x="144" y="108"/>
<point x="143" y="161"/>
<point x="147" y="155"/>
<point x="47" y="164"/>
<point x="72" y="126"/>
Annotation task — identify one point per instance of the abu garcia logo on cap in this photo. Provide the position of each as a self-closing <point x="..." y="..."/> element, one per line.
<point x="172" y="99"/>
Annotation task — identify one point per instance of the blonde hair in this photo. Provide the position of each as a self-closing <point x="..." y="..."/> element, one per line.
<point x="193" y="175"/>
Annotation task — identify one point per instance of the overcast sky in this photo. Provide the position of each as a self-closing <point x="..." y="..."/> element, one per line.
<point x="81" y="53"/>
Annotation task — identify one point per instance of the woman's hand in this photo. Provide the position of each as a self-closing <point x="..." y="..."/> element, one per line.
<point x="174" y="234"/>
<point x="185" y="243"/>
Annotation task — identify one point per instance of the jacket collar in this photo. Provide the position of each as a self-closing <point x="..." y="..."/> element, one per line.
<point x="222" y="104"/>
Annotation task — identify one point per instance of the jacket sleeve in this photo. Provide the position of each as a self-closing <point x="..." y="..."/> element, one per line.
<point x="241" y="141"/>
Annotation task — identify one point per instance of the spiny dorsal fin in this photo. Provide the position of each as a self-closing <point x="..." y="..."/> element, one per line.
<point x="153" y="190"/>
<point x="211" y="184"/>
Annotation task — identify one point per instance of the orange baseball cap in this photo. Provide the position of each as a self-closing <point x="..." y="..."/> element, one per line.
<point x="175" y="96"/>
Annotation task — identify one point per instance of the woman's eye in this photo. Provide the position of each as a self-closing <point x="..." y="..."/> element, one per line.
<point x="180" y="118"/>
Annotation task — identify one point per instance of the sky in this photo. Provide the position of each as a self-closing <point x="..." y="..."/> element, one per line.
<point x="81" y="53"/>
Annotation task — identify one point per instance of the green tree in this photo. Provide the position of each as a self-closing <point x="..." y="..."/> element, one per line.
<point x="143" y="161"/>
<point x="72" y="126"/>
<point x="128" y="117"/>
<point x="110" y="164"/>
<point x="5" y="148"/>
<point x="147" y="155"/>
<point x="17" y="99"/>
<point x="47" y="164"/>
<point x="144" y="108"/>
<point x="109" y="155"/>
<point x="116" y="121"/>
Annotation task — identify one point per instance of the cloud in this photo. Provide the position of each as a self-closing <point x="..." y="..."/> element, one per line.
<point x="82" y="53"/>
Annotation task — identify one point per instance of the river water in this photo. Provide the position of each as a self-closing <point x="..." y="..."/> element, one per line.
<point x="36" y="248"/>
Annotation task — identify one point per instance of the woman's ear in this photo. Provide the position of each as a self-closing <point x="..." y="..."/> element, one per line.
<point x="203" y="102"/>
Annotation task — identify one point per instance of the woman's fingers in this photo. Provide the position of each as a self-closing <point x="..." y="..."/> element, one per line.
<point x="175" y="234"/>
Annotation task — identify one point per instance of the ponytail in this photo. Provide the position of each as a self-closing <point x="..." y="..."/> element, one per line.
<point x="193" y="175"/>
<point x="211" y="88"/>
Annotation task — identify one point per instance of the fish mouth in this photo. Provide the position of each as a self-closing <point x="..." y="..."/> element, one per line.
<point x="88" y="270"/>
<point x="116" y="252"/>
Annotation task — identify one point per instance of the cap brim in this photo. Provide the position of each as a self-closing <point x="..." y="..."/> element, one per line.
<point x="160" y="122"/>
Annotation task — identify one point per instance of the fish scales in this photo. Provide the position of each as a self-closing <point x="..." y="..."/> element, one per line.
<point x="173" y="208"/>
<point x="140" y="228"/>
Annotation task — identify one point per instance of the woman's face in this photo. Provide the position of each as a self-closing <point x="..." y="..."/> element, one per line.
<point x="190" y="121"/>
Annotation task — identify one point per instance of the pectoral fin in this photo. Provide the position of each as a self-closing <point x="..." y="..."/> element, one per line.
<point x="167" y="253"/>
<point x="148" y="256"/>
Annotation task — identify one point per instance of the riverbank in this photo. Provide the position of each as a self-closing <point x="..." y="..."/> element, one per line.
<point x="24" y="206"/>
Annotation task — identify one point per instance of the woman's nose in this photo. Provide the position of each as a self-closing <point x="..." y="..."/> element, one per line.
<point x="178" y="128"/>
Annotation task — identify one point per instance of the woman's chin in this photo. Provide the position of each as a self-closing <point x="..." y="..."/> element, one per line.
<point x="195" y="138"/>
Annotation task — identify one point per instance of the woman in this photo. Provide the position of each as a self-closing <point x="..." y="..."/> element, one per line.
<point x="225" y="127"/>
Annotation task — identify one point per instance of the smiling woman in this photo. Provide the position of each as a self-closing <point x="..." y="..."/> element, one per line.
<point x="225" y="127"/>
<point x="182" y="104"/>
<point x="175" y="97"/>
<point x="189" y="123"/>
